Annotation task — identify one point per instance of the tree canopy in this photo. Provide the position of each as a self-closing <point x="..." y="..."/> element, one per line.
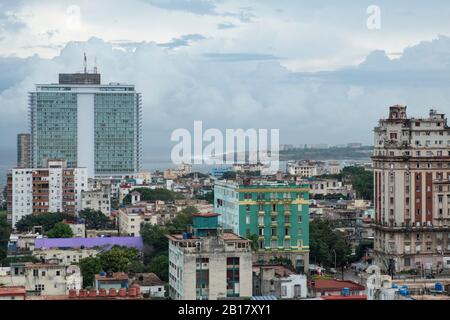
<point x="327" y="245"/>
<point x="5" y="231"/>
<point x="60" y="230"/>
<point x="95" y="220"/>
<point x="46" y="220"/>
<point x="118" y="259"/>
<point x="153" y="195"/>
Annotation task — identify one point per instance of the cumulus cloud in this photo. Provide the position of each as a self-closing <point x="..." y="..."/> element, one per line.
<point x="184" y="40"/>
<point x="193" y="6"/>
<point x="236" y="90"/>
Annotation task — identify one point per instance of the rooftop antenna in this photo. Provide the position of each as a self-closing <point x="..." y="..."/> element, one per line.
<point x="95" y="64"/>
<point x="85" y="63"/>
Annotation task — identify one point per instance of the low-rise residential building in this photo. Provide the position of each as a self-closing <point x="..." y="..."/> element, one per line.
<point x="111" y="280"/>
<point x="278" y="281"/>
<point x="326" y="187"/>
<point x="335" y="287"/>
<point x="305" y="168"/>
<point x="64" y="256"/>
<point x="43" y="278"/>
<point x="78" y="229"/>
<point x="103" y="243"/>
<point x="107" y="233"/>
<point x="209" y="263"/>
<point x="150" y="285"/>
<point x="97" y="200"/>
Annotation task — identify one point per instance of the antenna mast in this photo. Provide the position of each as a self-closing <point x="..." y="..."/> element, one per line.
<point x="85" y="63"/>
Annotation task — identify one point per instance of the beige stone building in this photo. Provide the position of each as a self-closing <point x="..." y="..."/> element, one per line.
<point x="411" y="165"/>
<point x="43" y="278"/>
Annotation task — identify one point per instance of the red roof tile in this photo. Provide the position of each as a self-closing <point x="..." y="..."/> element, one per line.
<point x="12" y="291"/>
<point x="351" y="297"/>
<point x="336" y="285"/>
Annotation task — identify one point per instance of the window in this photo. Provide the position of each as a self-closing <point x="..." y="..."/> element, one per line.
<point x="300" y="218"/>
<point x="39" y="287"/>
<point x="274" y="232"/>
<point x="247" y="219"/>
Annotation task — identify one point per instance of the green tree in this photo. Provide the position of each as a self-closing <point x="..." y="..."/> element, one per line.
<point x="181" y="220"/>
<point x="5" y="231"/>
<point x="160" y="266"/>
<point x="46" y="220"/>
<point x="327" y="246"/>
<point x="95" y="220"/>
<point x="118" y="259"/>
<point x="208" y="197"/>
<point x="154" y="238"/>
<point x="89" y="267"/>
<point x="254" y="241"/>
<point x="153" y="195"/>
<point x="229" y="175"/>
<point x="362" y="248"/>
<point x="60" y="230"/>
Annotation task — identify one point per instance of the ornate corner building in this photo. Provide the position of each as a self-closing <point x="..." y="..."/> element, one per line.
<point x="412" y="192"/>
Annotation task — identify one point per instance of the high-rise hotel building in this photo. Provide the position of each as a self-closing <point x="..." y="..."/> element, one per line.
<point x="412" y="192"/>
<point x="89" y="124"/>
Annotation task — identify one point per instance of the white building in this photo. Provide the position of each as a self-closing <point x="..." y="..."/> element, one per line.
<point x="43" y="278"/>
<point x="97" y="200"/>
<point x="64" y="257"/>
<point x="51" y="189"/>
<point x="211" y="264"/>
<point x="304" y="169"/>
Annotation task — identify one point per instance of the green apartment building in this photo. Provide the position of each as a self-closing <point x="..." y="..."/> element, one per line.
<point x="278" y="213"/>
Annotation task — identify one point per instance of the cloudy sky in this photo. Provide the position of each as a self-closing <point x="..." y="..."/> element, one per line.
<point x="313" y="69"/>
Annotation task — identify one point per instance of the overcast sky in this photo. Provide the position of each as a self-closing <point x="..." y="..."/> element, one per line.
<point x="312" y="69"/>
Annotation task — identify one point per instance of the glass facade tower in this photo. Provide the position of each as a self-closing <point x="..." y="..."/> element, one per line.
<point x="89" y="125"/>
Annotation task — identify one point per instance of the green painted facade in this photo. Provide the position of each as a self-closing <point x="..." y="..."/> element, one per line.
<point x="277" y="214"/>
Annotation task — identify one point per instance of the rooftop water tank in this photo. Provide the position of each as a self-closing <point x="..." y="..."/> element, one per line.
<point x="404" y="292"/>
<point x="345" y="291"/>
<point x="394" y="286"/>
<point x="438" y="286"/>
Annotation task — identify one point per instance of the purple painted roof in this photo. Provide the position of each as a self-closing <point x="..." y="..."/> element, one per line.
<point x="131" y="242"/>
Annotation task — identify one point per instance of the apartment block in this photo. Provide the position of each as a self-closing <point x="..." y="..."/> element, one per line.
<point x="277" y="213"/>
<point x="411" y="164"/>
<point x="54" y="188"/>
